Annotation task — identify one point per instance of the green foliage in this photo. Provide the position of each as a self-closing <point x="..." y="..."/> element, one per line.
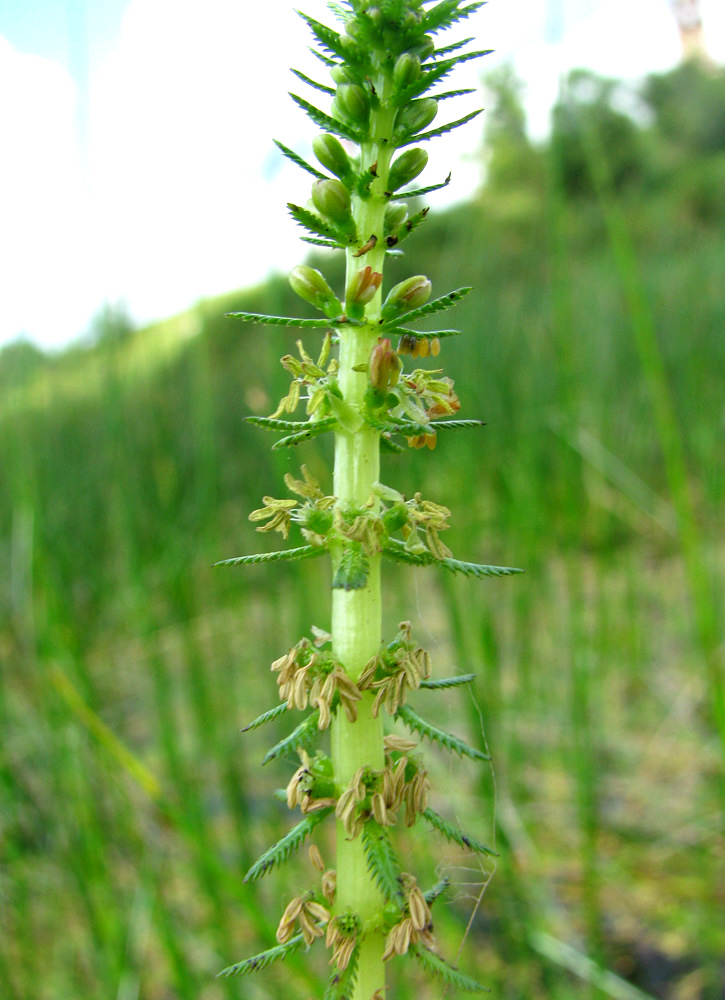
<point x="456" y="836"/>
<point x="430" y="308"/>
<point x="341" y="984"/>
<point x="265" y="958"/>
<point x="434" y="964"/>
<point x="448" y="682"/>
<point x="397" y="550"/>
<point x="287" y="555"/>
<point x="352" y="569"/>
<point x="300" y="737"/>
<point x="270" y="716"/>
<point x="382" y="860"/>
<point x="297" y="160"/>
<point x="287" y="845"/>
<point x="420" y="725"/>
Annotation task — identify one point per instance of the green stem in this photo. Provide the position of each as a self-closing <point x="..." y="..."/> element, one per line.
<point x="357" y="614"/>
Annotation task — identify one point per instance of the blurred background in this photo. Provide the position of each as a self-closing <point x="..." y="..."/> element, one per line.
<point x="586" y="208"/>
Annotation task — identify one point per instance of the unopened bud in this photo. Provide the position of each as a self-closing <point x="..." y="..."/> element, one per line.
<point x="416" y="116"/>
<point x="311" y="286"/>
<point x="332" y="199"/>
<point x="332" y="156"/>
<point x="406" y="70"/>
<point x="408" y="165"/>
<point x="361" y="290"/>
<point x="385" y="365"/>
<point x="424" y="48"/>
<point x="341" y="74"/>
<point x="409" y="294"/>
<point x="396" y="212"/>
<point x="351" y="104"/>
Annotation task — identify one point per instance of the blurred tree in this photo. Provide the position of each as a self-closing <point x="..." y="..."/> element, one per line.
<point x="587" y="103"/>
<point x="19" y="360"/>
<point x="688" y="105"/>
<point x="512" y="161"/>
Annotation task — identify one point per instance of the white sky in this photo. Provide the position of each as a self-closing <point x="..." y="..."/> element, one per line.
<point x="176" y="191"/>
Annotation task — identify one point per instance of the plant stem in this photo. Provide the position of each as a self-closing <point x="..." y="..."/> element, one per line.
<point x="357" y="614"/>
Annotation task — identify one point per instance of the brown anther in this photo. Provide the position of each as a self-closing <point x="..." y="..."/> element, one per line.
<point x="367" y="247"/>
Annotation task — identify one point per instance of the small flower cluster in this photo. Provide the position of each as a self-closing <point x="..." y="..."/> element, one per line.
<point x="309" y="914"/>
<point x="320" y="381"/>
<point x="396" y="669"/>
<point x="411" y="517"/>
<point x="342" y="936"/>
<point x="307" y="676"/>
<point x="416" y="926"/>
<point x="314" y="515"/>
<point x="379" y="794"/>
<point x="311" y="786"/>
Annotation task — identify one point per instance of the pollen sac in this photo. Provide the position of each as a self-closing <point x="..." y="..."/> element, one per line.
<point x="396" y="212"/>
<point x="408" y="165"/>
<point x="385" y="365"/>
<point x="408" y="294"/>
<point x="332" y="156"/>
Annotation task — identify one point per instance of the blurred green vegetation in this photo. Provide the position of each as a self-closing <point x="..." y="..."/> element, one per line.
<point x="131" y="806"/>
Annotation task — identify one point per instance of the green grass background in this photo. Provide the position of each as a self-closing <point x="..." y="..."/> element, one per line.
<point x="130" y="804"/>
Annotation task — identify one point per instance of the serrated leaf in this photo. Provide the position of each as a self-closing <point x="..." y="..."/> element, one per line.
<point x="294" y="321"/>
<point x="410" y="225"/>
<point x="439" y="967"/>
<point x="328" y="244"/>
<point x="420" y="725"/>
<point x="313" y="83"/>
<point x="445" y="50"/>
<point x="448" y="682"/>
<point x="323" y="58"/>
<point x="457" y="425"/>
<point x="401" y="331"/>
<point x="287" y="845"/>
<point x="316" y="224"/>
<point x="448" y="94"/>
<point x="352" y="570"/>
<point x="274" y="424"/>
<point x="342" y="984"/>
<point x="326" y="122"/>
<point x="455" y="835"/>
<point x="382" y="860"/>
<point x="391" y="446"/>
<point x="395" y="549"/>
<point x="419" y="192"/>
<point x="310" y="430"/>
<point x="273" y="713"/>
<point x="437" y="890"/>
<point x="447" y="13"/>
<point x="328" y="38"/>
<point x="286" y="555"/>
<point x="435" y="132"/>
<point x="437" y="72"/>
<point x="302" y="736"/>
<point x="291" y="155"/>
<point x="434" y="306"/>
<point x="265" y="958"/>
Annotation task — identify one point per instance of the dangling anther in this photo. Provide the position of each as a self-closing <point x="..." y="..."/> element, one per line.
<point x="368" y="246"/>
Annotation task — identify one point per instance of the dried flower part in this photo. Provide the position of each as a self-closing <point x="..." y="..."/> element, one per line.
<point x="416" y="926"/>
<point x="399" y="744"/>
<point x="310" y="915"/>
<point x="362" y="288"/>
<point x="316" y="857"/>
<point x="398" y="668"/>
<point x="415" y="796"/>
<point x="317" y="379"/>
<point x="385" y="365"/>
<point x="342" y="936"/>
<point x="309" y="677"/>
<point x="329" y="886"/>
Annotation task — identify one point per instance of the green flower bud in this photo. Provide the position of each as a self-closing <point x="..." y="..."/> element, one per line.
<point x="332" y="156"/>
<point x="416" y="116"/>
<point x="311" y="286"/>
<point x="342" y="74"/>
<point x="409" y="294"/>
<point x="423" y="48"/>
<point x="396" y="212"/>
<point x="361" y="290"/>
<point x="351" y="104"/>
<point x="406" y="70"/>
<point x="332" y="199"/>
<point x="408" y="165"/>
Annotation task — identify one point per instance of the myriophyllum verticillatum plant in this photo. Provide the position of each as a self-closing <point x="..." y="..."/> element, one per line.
<point x="384" y="70"/>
